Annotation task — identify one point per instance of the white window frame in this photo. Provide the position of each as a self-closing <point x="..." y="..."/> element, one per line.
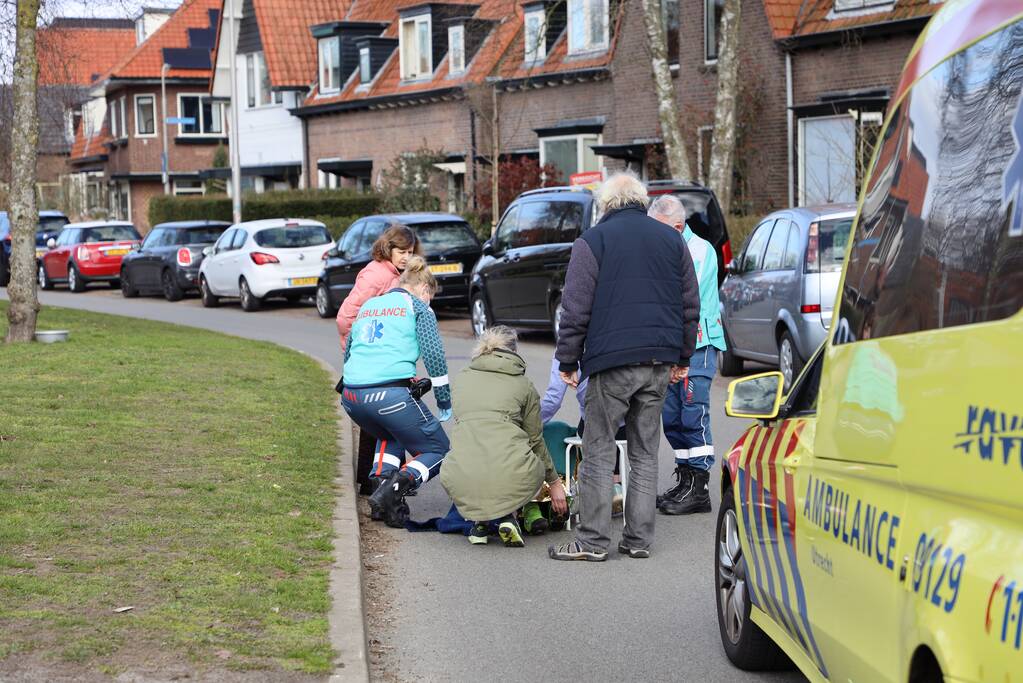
<point x="217" y="105"/>
<point x="580" y="149"/>
<point x="326" y="88"/>
<point x="708" y="12"/>
<point x="364" y="52"/>
<point x="140" y="30"/>
<point x="538" y="53"/>
<point x="263" y="74"/>
<point x="251" y="81"/>
<point x="156" y="117"/>
<point x="418" y="57"/>
<point x="255" y="70"/>
<point x="184" y="191"/>
<point x="114" y="124"/>
<point x="843" y="6"/>
<point x="456" y="66"/>
<point x="120" y="110"/>
<point x="587" y="7"/>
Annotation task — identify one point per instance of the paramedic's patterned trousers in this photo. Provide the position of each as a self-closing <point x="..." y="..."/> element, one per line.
<point x="686" y="412"/>
<point x="400" y="423"/>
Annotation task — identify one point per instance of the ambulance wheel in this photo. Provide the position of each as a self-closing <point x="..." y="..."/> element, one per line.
<point x="746" y="645"/>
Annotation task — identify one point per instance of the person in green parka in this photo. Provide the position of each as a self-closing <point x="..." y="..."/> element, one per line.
<point x="498" y="460"/>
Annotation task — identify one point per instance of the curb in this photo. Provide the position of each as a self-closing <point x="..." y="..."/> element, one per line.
<point x="347" y="637"/>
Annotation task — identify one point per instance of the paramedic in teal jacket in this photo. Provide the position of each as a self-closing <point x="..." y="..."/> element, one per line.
<point x="390" y="334"/>
<point x="686" y="412"/>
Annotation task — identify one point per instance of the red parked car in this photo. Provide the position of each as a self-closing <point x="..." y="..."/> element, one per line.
<point x="87" y="252"/>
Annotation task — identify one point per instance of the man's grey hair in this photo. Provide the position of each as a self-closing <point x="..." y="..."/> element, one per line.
<point x="620" y="190"/>
<point x="668" y="209"/>
<point x="497" y="337"/>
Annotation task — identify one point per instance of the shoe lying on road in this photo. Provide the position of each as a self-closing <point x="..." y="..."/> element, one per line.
<point x="635" y="553"/>
<point x="509" y="532"/>
<point x="533" y="520"/>
<point x="479" y="533"/>
<point x="575" y="551"/>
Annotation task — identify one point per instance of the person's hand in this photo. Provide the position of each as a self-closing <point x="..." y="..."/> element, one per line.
<point x="570" y="378"/>
<point x="445" y="414"/>
<point x="678" y="373"/>
<point x="558" y="501"/>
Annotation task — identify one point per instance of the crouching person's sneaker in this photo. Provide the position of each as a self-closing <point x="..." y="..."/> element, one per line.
<point x="509" y="532"/>
<point x="575" y="551"/>
<point x="479" y="533"/>
<point x="635" y="553"/>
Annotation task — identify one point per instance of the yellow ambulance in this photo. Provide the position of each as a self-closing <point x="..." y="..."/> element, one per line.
<point x="871" y="525"/>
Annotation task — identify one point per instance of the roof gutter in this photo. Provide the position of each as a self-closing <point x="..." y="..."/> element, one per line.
<point x="875" y="30"/>
<point x="354" y="105"/>
<point x="559" y="76"/>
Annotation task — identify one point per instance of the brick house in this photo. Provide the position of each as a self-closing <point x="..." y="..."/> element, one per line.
<point x="171" y="65"/>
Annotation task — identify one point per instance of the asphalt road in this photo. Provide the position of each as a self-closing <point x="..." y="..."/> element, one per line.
<point x="462" y="613"/>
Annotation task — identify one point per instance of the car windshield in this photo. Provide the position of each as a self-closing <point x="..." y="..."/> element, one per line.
<point x="109" y="233"/>
<point x="207" y="235"/>
<point x="702" y="215"/>
<point x="833" y="238"/>
<point x="292" y="237"/>
<point x="439" y="238"/>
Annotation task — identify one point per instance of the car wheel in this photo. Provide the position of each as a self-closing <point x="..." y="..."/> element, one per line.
<point x="209" y="299"/>
<point x="323" y="306"/>
<point x="250" y="302"/>
<point x="44" y="280"/>
<point x="556" y="317"/>
<point x="480" y="322"/>
<point x="789" y="361"/>
<point x="171" y="290"/>
<point x="746" y="645"/>
<point x="75" y="281"/>
<point x="128" y="290"/>
<point x="730" y="365"/>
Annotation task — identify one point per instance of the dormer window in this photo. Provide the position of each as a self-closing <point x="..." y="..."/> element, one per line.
<point x="536" y="31"/>
<point x="456" y="49"/>
<point x="587" y="26"/>
<point x="330" y="64"/>
<point x="365" y="71"/>
<point x="846" y="5"/>
<point x="415" y="48"/>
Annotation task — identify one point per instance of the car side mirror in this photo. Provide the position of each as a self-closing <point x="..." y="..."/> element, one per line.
<point x="731" y="267"/>
<point x="756" y="396"/>
<point x="333" y="252"/>
<point x="488" y="248"/>
<point x="206" y="251"/>
<point x="51" y="243"/>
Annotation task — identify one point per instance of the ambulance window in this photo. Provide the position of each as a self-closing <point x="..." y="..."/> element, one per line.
<point x="802" y="400"/>
<point x="939" y="242"/>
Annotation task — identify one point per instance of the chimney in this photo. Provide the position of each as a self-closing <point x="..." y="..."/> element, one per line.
<point x="148" y="20"/>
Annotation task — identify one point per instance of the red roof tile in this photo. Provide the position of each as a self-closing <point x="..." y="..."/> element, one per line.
<point x="146" y="60"/>
<point x="790" y="18"/>
<point x="288" y="45"/>
<point x="77" y="56"/>
<point x="86" y="146"/>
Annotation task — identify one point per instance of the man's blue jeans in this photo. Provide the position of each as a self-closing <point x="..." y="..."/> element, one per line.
<point x="400" y="423"/>
<point x="686" y="413"/>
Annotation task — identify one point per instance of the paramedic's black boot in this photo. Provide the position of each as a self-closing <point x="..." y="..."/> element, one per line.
<point x="695" y="499"/>
<point x="378" y="500"/>
<point x="684" y="482"/>
<point x="392" y="503"/>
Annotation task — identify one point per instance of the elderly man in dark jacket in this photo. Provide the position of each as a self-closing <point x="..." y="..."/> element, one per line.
<point x="630" y="308"/>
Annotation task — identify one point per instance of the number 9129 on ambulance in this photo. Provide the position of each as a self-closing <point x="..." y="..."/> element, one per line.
<point x="871" y="525"/>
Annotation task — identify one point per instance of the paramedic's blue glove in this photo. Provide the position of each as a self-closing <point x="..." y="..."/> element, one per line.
<point x="445" y="414"/>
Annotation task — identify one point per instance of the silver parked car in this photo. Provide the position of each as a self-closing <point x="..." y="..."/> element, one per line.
<point x="777" y="298"/>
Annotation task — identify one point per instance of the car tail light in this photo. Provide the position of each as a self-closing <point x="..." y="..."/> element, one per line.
<point x="812" y="243"/>
<point x="325" y="255"/>
<point x="84" y="254"/>
<point x="184" y="257"/>
<point x="810" y="308"/>
<point x="726" y="252"/>
<point x="261" y="259"/>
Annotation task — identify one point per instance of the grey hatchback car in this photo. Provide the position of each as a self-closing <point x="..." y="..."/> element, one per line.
<point x="777" y="298"/>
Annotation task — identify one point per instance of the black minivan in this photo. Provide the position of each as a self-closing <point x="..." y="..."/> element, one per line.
<point x="449" y="246"/>
<point x="519" y="279"/>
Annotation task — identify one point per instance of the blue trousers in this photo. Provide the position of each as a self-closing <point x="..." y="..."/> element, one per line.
<point x="686" y="412"/>
<point x="400" y="423"/>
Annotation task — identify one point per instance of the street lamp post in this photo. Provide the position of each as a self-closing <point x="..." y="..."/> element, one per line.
<point x="165" y="166"/>
<point x="232" y="140"/>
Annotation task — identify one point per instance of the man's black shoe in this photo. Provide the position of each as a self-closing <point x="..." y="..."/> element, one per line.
<point x="389" y="499"/>
<point x="696" y="499"/>
<point x="684" y="484"/>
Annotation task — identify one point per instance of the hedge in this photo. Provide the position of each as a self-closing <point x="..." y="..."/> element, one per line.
<point x="336" y="208"/>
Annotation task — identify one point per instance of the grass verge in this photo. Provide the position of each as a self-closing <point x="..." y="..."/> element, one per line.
<point x="183" y="473"/>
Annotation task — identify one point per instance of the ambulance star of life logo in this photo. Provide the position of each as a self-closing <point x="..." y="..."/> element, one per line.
<point x="372" y="331"/>
<point x="1012" y="179"/>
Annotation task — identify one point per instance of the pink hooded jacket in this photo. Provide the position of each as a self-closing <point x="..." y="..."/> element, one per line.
<point x="373" y="280"/>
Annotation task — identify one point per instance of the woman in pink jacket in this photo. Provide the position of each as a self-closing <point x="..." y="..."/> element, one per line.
<point x="390" y="254"/>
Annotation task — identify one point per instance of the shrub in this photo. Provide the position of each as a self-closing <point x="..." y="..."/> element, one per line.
<point x="166" y="208"/>
<point x="412" y="183"/>
<point x="337" y="206"/>
<point x="515" y="176"/>
<point x="337" y="225"/>
<point x="739" y="228"/>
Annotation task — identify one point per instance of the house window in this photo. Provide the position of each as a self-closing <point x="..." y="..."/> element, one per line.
<point x="587" y="25"/>
<point x="827" y="160"/>
<point x="140" y="30"/>
<point x="250" y="80"/>
<point x="846" y="5"/>
<point x="264" y="80"/>
<point x="712" y="11"/>
<point x="456" y="49"/>
<point x="257" y="82"/>
<point x="536" y="45"/>
<point x="114" y="125"/>
<point x="207" y="115"/>
<point x="145" y="116"/>
<point x="570" y="154"/>
<point x="119" y="118"/>
<point x="415" y="50"/>
<point x="120" y="201"/>
<point x="365" y="72"/>
<point x="330" y="64"/>
<point x="671" y="24"/>
<point x="185" y="187"/>
<point x="704" y="140"/>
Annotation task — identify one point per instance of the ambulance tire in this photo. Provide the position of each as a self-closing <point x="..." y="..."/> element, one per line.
<point x="747" y="646"/>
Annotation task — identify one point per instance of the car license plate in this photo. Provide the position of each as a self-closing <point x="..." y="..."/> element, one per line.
<point x="40" y="252"/>
<point x="116" y="252"/>
<point x="445" y="268"/>
<point x="301" y="281"/>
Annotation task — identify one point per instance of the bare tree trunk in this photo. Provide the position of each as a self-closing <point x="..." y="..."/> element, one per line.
<point x="667" y="108"/>
<point x="24" y="306"/>
<point x="722" y="154"/>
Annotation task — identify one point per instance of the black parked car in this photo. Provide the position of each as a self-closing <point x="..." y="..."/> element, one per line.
<point x="519" y="279"/>
<point x="50" y="225"/>
<point x="449" y="246"/>
<point x="169" y="258"/>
